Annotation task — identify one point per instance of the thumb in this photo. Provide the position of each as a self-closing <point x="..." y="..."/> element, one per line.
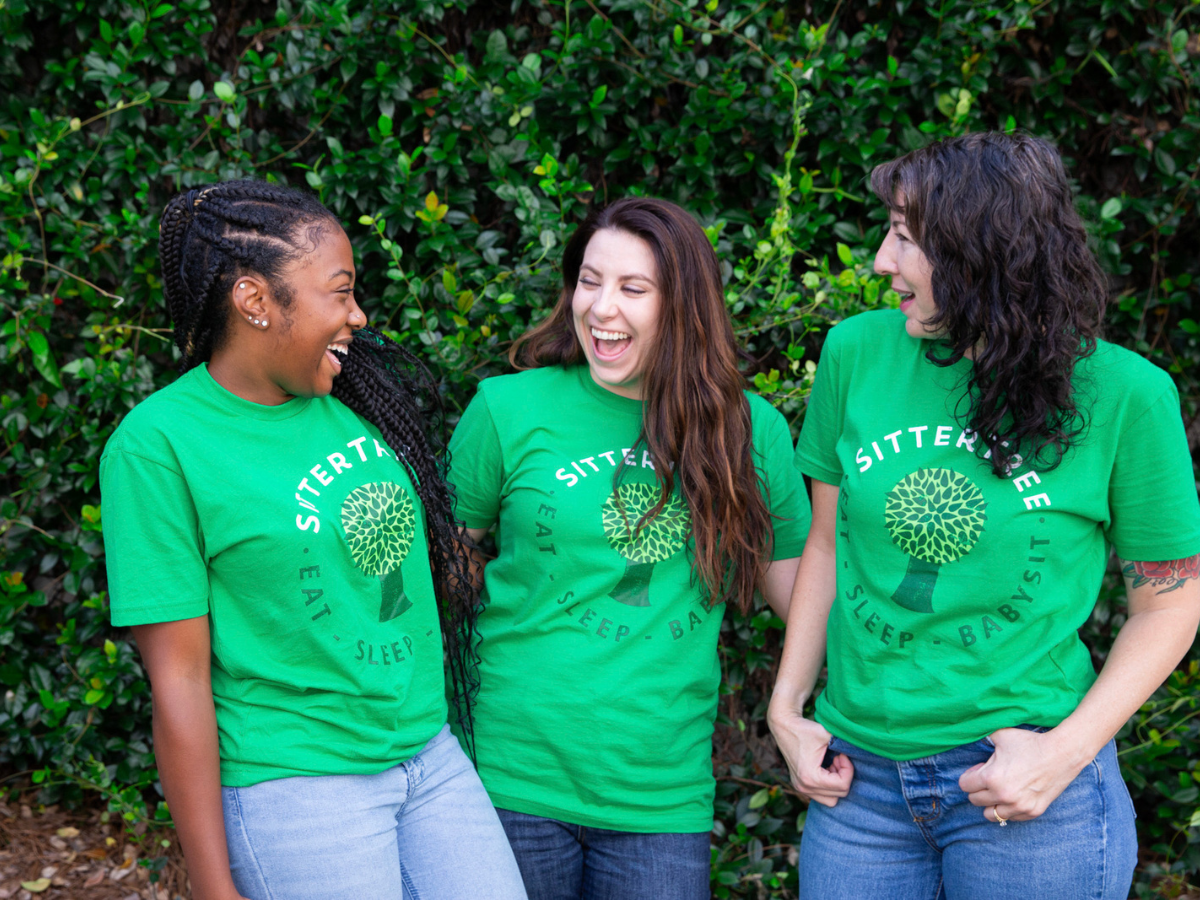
<point x="973" y="779"/>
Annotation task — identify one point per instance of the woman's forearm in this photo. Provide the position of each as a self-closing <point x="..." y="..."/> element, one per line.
<point x="177" y="659"/>
<point x="185" y="744"/>
<point x="812" y="597"/>
<point x="1149" y="646"/>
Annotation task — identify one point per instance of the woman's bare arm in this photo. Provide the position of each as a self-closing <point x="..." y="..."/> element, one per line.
<point x="177" y="659"/>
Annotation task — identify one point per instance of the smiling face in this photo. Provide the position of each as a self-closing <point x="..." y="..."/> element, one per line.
<point x="289" y="337"/>
<point x="912" y="276"/>
<point x="615" y="309"/>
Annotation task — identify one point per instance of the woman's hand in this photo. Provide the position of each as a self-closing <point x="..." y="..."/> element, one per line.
<point x="804" y="744"/>
<point x="1026" y="773"/>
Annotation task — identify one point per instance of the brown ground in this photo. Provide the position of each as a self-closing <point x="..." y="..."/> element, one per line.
<point x="75" y="855"/>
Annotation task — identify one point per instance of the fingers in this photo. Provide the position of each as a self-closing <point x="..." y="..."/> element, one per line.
<point x="975" y="778"/>
<point x="826" y="786"/>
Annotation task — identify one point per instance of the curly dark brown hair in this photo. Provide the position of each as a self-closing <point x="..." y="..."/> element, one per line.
<point x="1016" y="285"/>
<point x="695" y="417"/>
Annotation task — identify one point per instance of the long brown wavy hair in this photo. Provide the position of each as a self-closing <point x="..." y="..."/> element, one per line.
<point x="695" y="418"/>
<point x="1014" y="280"/>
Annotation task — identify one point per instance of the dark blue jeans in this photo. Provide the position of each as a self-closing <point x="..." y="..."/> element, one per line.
<point x="560" y="861"/>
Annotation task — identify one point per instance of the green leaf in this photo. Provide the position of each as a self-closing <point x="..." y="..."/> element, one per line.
<point x="598" y="95"/>
<point x="844" y="254"/>
<point x="224" y="91"/>
<point x="1165" y="161"/>
<point x="314" y="180"/>
<point x="38" y="343"/>
<point x="677" y="35"/>
<point x="106" y="32"/>
<point x="497" y="45"/>
<point x="893" y="65"/>
<point x="366" y="220"/>
<point x="1111" y="208"/>
<point x="385" y="125"/>
<point x="449" y="282"/>
<point x="93" y="697"/>
<point x="196" y="90"/>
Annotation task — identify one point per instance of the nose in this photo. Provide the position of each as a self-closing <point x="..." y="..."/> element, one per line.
<point x="605" y="304"/>
<point x="885" y="256"/>
<point x="355" y="317"/>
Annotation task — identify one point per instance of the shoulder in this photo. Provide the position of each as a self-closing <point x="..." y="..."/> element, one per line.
<point x="541" y="379"/>
<point x="768" y="426"/>
<point x="149" y="428"/>
<point x="1114" y="376"/>
<point x="505" y="394"/>
<point x="1111" y="361"/>
<point x="873" y="325"/>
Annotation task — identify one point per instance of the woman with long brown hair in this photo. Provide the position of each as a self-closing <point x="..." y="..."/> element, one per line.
<point x="636" y="488"/>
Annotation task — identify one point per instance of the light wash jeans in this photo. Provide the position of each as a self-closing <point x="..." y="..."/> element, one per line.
<point x="422" y="830"/>
<point x="907" y="832"/>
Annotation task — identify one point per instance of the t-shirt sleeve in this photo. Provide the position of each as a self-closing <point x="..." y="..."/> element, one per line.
<point x="792" y="515"/>
<point x="476" y="465"/>
<point x="1155" y="514"/>
<point x="152" y="543"/>
<point x="816" y="451"/>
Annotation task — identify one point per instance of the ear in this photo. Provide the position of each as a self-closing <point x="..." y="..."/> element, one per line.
<point x="251" y="299"/>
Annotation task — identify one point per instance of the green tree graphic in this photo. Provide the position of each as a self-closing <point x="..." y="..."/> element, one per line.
<point x="646" y="545"/>
<point x="380" y="524"/>
<point x="935" y="516"/>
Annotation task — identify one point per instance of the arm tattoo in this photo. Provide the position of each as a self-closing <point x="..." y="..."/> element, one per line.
<point x="1169" y="575"/>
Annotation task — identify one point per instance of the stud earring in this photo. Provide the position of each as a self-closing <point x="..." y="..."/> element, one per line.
<point x="242" y="286"/>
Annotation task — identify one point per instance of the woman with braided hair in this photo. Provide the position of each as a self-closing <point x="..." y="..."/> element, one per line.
<point x="280" y="538"/>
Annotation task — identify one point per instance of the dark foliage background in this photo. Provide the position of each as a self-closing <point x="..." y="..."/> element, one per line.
<point x="460" y="142"/>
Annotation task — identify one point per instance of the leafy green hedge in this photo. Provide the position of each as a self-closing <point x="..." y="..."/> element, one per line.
<point x="460" y="143"/>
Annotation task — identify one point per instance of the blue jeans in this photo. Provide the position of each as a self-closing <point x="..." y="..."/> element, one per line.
<point x="906" y="831"/>
<point x="422" y="829"/>
<point x="560" y="861"/>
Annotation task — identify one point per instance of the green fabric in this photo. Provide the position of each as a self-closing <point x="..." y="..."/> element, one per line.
<point x="600" y="670"/>
<point x="960" y="593"/>
<point x="326" y="652"/>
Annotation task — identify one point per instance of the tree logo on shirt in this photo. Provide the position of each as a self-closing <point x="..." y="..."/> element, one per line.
<point x="380" y="525"/>
<point x="936" y="517"/>
<point x="643" y="544"/>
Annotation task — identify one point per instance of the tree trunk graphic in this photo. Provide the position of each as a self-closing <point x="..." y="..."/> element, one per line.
<point x="935" y="516"/>
<point x="380" y="525"/>
<point x="642" y="543"/>
<point x="634" y="587"/>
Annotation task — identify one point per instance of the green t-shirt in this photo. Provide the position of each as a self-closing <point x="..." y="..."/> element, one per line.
<point x="296" y="530"/>
<point x="960" y="594"/>
<point x="599" y="664"/>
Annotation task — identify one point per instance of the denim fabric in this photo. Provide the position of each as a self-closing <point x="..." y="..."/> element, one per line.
<point x="422" y="830"/>
<point x="907" y="832"/>
<point x="560" y="861"/>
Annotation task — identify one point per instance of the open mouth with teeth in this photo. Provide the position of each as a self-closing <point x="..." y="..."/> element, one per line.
<point x="335" y="353"/>
<point x="608" y="345"/>
<point x="906" y="298"/>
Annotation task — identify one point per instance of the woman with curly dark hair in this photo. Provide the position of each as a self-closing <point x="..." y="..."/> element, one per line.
<point x="973" y="454"/>
<point x="280" y="537"/>
<point x="636" y="488"/>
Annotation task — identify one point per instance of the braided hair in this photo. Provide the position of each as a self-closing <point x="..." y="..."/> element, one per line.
<point x="209" y="237"/>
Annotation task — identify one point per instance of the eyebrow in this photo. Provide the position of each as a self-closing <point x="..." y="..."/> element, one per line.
<point x="345" y="272"/>
<point x="629" y="277"/>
